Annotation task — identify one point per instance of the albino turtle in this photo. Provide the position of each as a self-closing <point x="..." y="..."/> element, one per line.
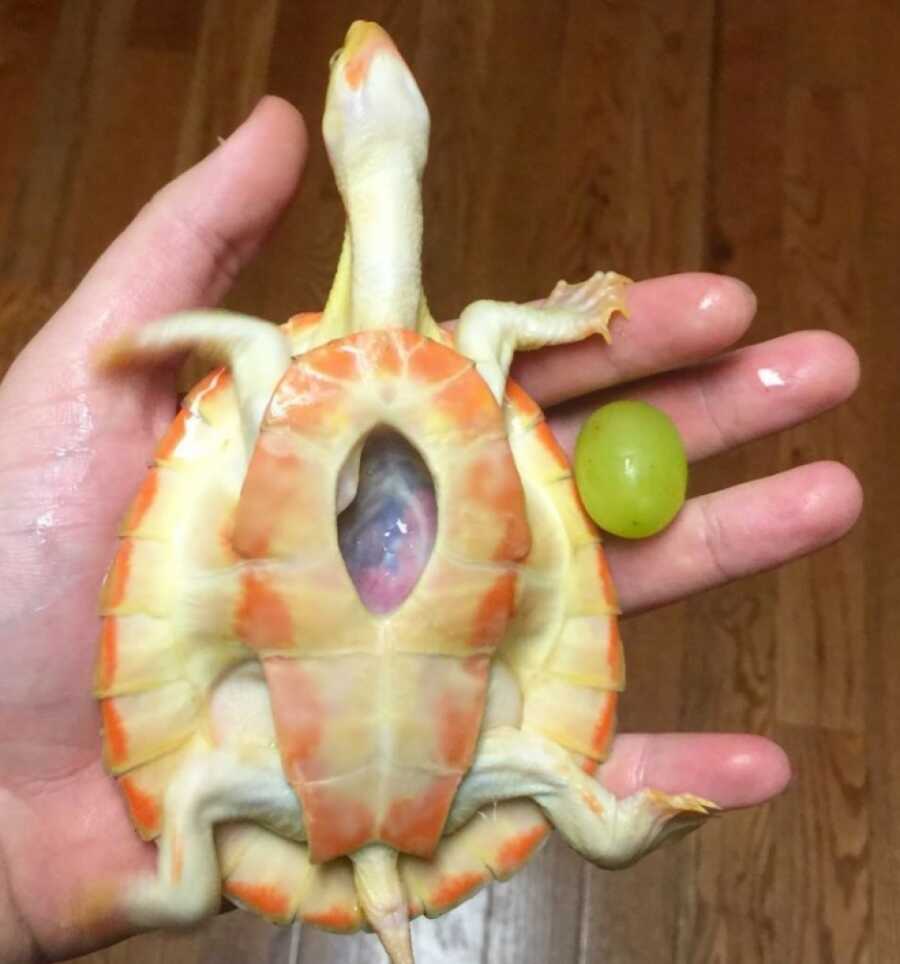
<point x="360" y="647"/>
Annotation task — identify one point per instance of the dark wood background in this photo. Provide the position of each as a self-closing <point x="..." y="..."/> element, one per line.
<point x="755" y="137"/>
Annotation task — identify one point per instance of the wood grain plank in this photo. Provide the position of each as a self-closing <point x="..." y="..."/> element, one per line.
<point x="234" y="938"/>
<point x="823" y="884"/>
<point x="27" y="32"/>
<point x="879" y="342"/>
<point x="820" y="624"/>
<point x="230" y="69"/>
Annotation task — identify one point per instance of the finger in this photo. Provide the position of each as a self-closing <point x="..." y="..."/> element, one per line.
<point x="672" y="322"/>
<point x="744" y="395"/>
<point x="184" y="249"/>
<point x="729" y="769"/>
<point x="745" y="529"/>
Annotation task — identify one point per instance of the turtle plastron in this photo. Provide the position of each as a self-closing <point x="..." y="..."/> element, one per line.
<point x="287" y="744"/>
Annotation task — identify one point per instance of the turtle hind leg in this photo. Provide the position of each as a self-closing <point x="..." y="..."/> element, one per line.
<point x="608" y="831"/>
<point x="490" y="332"/>
<point x="211" y="789"/>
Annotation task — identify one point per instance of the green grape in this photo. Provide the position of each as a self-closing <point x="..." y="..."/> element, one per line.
<point x="630" y="469"/>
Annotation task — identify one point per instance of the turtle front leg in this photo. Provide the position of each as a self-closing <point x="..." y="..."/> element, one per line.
<point x="491" y="332"/>
<point x="255" y="351"/>
<point x="608" y="831"/>
<point x="210" y="790"/>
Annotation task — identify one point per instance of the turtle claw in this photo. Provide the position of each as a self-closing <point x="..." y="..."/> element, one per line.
<point x="598" y="299"/>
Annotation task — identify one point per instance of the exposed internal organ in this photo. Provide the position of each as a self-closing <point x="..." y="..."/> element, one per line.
<point x="387" y="532"/>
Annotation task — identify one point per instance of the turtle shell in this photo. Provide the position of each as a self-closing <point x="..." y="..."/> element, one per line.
<point x="226" y="569"/>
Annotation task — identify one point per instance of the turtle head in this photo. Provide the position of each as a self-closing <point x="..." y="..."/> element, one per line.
<point x="374" y="112"/>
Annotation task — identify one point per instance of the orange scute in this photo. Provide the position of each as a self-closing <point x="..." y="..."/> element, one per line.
<point x="386" y="356"/>
<point x="459" y="718"/>
<point x="109" y="652"/>
<point x="275" y="480"/>
<point x="215" y="382"/>
<point x="117" y="577"/>
<point x="545" y="435"/>
<point x="142" y="501"/>
<point x="335" y="360"/>
<point x="265" y="898"/>
<point x="519" y="848"/>
<point x="468" y="403"/>
<point x="433" y="364"/>
<point x="298" y="710"/>
<point x="603" y="728"/>
<point x="614" y="654"/>
<point x="142" y="805"/>
<point x="521" y="401"/>
<point x="494" y="611"/>
<point x="335" y="823"/>
<point x="414" y="824"/>
<point x="333" y="919"/>
<point x="169" y="442"/>
<point x="310" y="403"/>
<point x="609" y="589"/>
<point x="114" y="731"/>
<point x="263" y="619"/>
<point x="453" y="888"/>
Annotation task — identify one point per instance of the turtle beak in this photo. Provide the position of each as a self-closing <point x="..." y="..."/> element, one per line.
<point x="373" y="102"/>
<point x="363" y="42"/>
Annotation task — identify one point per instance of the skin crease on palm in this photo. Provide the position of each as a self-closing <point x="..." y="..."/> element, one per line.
<point x="75" y="446"/>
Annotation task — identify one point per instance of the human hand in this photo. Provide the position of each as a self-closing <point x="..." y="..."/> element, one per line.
<point x="76" y="445"/>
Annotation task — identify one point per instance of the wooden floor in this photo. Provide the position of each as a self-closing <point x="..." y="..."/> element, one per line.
<point x="757" y="138"/>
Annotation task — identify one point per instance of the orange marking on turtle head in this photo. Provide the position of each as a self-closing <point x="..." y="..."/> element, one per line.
<point x="109" y="653"/>
<point x="117" y="578"/>
<point x="414" y="824"/>
<point x="519" y="848"/>
<point x="605" y="725"/>
<point x="335" y="918"/>
<point x="267" y="899"/>
<point x="114" y="731"/>
<point x="263" y="619"/>
<point x="454" y="887"/>
<point x="364" y="40"/>
<point x="170" y="441"/>
<point x="494" y="611"/>
<point x="142" y="501"/>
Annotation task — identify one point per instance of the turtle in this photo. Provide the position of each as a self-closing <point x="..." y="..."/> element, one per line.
<point x="359" y="651"/>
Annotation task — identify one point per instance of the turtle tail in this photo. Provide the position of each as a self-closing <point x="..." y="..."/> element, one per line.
<point x="383" y="899"/>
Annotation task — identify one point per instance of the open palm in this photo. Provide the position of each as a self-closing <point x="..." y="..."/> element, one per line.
<point x="74" y="446"/>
